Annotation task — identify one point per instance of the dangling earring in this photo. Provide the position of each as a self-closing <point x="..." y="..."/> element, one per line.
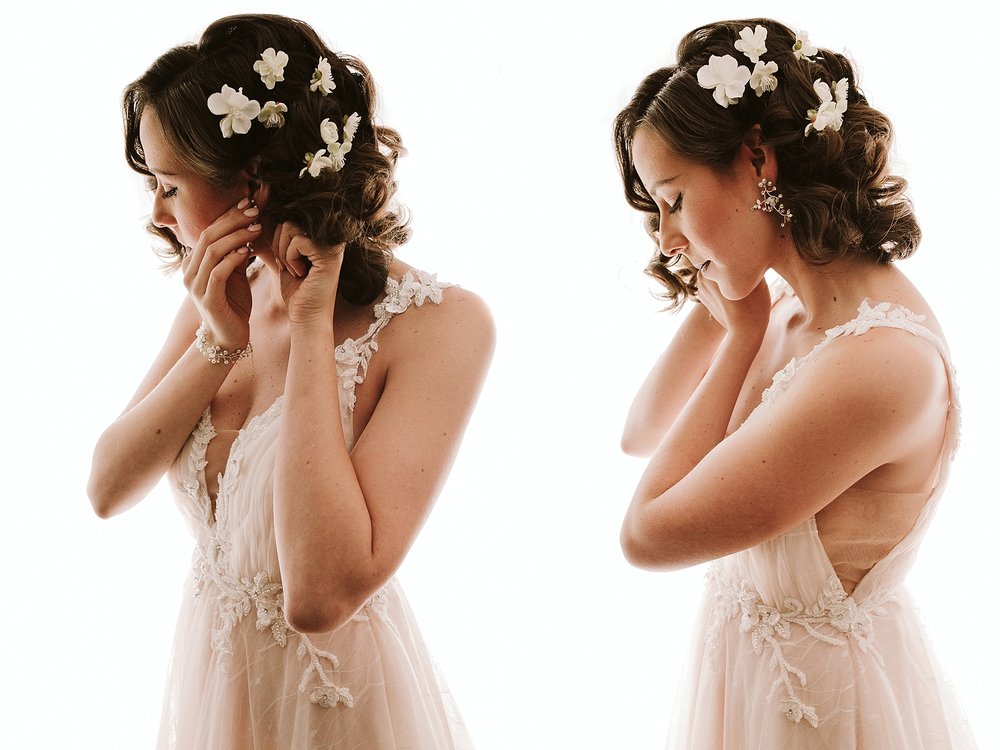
<point x="770" y="202"/>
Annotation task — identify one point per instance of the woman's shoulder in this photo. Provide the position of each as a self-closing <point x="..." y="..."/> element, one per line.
<point x="885" y="345"/>
<point x="438" y="313"/>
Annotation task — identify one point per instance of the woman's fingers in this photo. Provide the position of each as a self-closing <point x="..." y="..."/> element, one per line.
<point x="295" y="257"/>
<point x="234" y="228"/>
<point x="216" y="252"/>
<point x="276" y="245"/>
<point x="215" y="288"/>
<point x="291" y="248"/>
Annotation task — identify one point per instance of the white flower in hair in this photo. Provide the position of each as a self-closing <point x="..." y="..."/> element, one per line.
<point x="830" y="113"/>
<point x="751" y="43"/>
<point x="725" y="76"/>
<point x="803" y="48"/>
<point x="337" y="153"/>
<point x="271" y="67"/>
<point x="328" y="131"/>
<point x="272" y="114"/>
<point x="840" y="91"/>
<point x="237" y="109"/>
<point x="316" y="163"/>
<point x="351" y="126"/>
<point x="338" y="150"/>
<point x="762" y="79"/>
<point x="322" y="77"/>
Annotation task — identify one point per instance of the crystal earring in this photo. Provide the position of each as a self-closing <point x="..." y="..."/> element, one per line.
<point x="770" y="202"/>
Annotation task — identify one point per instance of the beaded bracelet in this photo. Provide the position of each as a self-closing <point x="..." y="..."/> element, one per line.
<point x="216" y="354"/>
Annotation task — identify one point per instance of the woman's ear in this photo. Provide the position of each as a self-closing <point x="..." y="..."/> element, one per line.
<point x="257" y="191"/>
<point x="260" y="192"/>
<point x="758" y="156"/>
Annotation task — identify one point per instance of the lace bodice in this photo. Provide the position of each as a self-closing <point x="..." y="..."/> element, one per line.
<point x="785" y="592"/>
<point x="235" y="565"/>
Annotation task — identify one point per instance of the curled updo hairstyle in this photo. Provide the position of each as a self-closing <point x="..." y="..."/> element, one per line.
<point x="354" y="205"/>
<point x="836" y="183"/>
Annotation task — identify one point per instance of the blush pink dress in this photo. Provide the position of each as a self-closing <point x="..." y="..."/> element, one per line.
<point x="784" y="658"/>
<point x="241" y="678"/>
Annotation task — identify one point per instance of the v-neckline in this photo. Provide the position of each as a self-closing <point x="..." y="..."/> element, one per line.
<point x="248" y="428"/>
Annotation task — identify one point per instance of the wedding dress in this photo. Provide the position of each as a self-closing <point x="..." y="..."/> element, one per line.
<point x="785" y="658"/>
<point x="240" y="676"/>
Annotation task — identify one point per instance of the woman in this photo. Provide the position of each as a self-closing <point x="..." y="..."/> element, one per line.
<point x="800" y="437"/>
<point x="306" y="432"/>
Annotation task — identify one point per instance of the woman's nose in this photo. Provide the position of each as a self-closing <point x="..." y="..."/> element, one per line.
<point x="161" y="216"/>
<point x="672" y="242"/>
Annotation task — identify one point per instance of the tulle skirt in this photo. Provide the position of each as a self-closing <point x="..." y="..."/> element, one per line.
<point x="369" y="684"/>
<point x="802" y="692"/>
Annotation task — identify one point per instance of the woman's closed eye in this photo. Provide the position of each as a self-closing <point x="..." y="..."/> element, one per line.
<point x="674" y="207"/>
<point x="153" y="185"/>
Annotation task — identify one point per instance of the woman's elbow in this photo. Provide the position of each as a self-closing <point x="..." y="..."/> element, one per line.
<point x="647" y="554"/>
<point x="634" y="550"/>
<point x="103" y="486"/>
<point x="311" y="618"/>
<point x="108" y="496"/>
<point x="633" y="445"/>
<point x="101" y="500"/>
<point x="311" y="612"/>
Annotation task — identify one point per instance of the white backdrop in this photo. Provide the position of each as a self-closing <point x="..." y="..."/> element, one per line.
<point x="547" y="637"/>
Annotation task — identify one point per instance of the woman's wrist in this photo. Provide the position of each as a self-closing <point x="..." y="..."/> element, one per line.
<point x="220" y="353"/>
<point x="743" y="340"/>
<point x="311" y="327"/>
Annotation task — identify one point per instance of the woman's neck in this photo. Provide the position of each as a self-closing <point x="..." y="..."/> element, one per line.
<point x="834" y="290"/>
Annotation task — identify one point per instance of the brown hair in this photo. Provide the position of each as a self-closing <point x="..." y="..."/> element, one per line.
<point x="354" y="205"/>
<point x="836" y="183"/>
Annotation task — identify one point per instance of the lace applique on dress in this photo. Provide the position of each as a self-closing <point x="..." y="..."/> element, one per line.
<point x="767" y="626"/>
<point x="241" y="597"/>
<point x="379" y="604"/>
<point x="191" y="486"/>
<point x="353" y="356"/>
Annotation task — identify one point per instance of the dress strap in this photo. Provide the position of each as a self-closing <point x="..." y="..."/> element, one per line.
<point x="354" y="355"/>
<point x="870" y="315"/>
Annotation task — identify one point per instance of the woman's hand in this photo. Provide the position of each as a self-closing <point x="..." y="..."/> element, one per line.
<point x="309" y="274"/>
<point x="746" y="318"/>
<point x="215" y="275"/>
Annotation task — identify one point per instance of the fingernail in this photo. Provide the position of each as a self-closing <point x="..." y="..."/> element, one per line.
<point x="244" y="249"/>
<point x="243" y="203"/>
<point x="255" y="227"/>
<point x="252" y="211"/>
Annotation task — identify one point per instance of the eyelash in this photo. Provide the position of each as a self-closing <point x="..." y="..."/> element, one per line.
<point x="152" y="186"/>
<point x="677" y="204"/>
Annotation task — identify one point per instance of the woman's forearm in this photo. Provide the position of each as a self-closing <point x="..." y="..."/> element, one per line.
<point x="137" y="449"/>
<point x="697" y="430"/>
<point x="322" y="524"/>
<point x="671" y="382"/>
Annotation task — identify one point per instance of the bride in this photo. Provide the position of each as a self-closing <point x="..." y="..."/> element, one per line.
<point x="800" y="438"/>
<point x="305" y="431"/>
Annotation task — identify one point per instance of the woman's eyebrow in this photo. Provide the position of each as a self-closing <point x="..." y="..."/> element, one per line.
<point x="664" y="181"/>
<point x="161" y="172"/>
